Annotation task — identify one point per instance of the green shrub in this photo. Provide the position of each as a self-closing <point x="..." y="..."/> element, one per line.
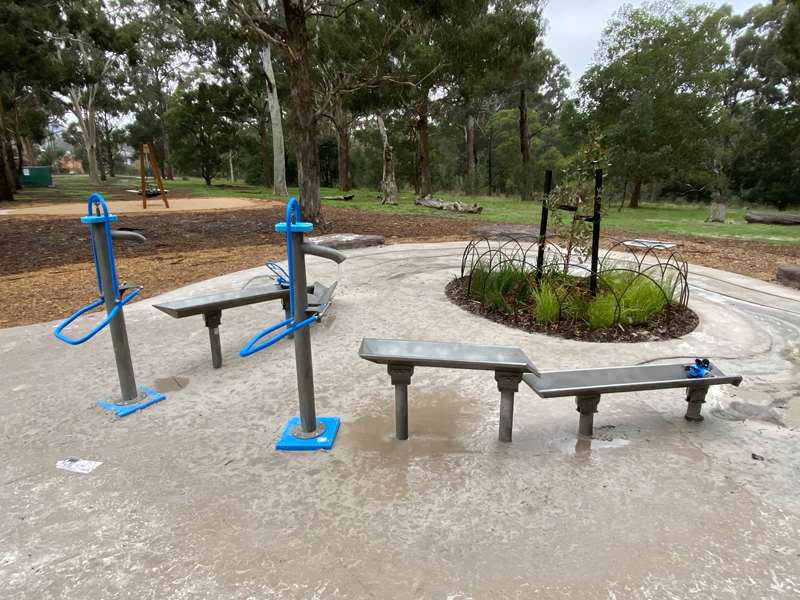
<point x="602" y="312"/>
<point x="625" y="297"/>
<point x="546" y="307"/>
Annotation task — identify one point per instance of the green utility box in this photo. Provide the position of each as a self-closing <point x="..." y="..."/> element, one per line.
<point x="36" y="177"/>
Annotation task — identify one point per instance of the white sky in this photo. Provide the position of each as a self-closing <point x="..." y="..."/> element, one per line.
<point x="574" y="27"/>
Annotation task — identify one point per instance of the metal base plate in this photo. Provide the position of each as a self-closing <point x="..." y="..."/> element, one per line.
<point x="147" y="396"/>
<point x="323" y="441"/>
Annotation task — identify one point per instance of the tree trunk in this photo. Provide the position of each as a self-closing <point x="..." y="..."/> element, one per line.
<point x="230" y="165"/>
<point x="636" y="195"/>
<point x="6" y="189"/>
<point x="388" y="183"/>
<point x="27" y="148"/>
<point x="525" y="147"/>
<point x="717" y="212"/>
<point x="302" y="100"/>
<point x="20" y="148"/>
<point x="7" y="157"/>
<point x="263" y="144"/>
<point x="424" y="161"/>
<point x="20" y="158"/>
<point x="469" y="131"/>
<point x="342" y="119"/>
<point x="276" y="120"/>
<point x="489" y="163"/>
<point x="88" y="126"/>
<point x="168" y="171"/>
<point x="109" y="154"/>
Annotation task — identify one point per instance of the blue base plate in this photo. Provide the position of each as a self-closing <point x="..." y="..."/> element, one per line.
<point x="322" y="442"/>
<point x="123" y="410"/>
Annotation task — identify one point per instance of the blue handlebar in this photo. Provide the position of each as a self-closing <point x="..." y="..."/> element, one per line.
<point x="292" y="223"/>
<point x="102" y="216"/>
<point x="112" y="313"/>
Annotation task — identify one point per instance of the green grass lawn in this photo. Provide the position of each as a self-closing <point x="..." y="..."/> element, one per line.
<point x="658" y="220"/>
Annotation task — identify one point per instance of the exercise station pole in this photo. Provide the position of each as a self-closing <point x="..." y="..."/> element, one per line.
<point x="306" y="432"/>
<point x="113" y="296"/>
<point x="119" y="334"/>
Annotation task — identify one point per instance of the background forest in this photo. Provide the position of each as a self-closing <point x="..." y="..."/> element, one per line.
<point x="682" y="101"/>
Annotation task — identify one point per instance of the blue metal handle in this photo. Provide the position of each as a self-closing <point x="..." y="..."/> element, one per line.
<point x="106" y="218"/>
<point x="292" y="223"/>
<point x="251" y="347"/>
<point x="112" y="313"/>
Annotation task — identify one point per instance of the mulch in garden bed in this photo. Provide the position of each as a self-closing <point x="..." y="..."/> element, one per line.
<point x="673" y="323"/>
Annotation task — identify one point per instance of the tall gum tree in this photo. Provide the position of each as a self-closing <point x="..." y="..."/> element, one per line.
<point x="89" y="44"/>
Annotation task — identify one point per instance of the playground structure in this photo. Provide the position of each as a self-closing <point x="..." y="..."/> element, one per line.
<point x="307" y="431"/>
<point x="114" y="296"/>
<point x="148" y="154"/>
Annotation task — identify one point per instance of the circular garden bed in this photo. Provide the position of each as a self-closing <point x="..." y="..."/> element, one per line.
<point x="635" y="296"/>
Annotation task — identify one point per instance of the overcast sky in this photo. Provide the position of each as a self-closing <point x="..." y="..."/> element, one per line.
<point x="574" y="27"/>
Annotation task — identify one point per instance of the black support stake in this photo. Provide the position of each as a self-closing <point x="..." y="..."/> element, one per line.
<point x="548" y="184"/>
<point x="598" y="187"/>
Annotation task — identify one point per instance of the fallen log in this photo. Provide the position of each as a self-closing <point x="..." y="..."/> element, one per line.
<point x="431" y="202"/>
<point x="345" y="197"/>
<point x="772" y="218"/>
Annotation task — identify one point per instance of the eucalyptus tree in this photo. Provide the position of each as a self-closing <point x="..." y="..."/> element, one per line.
<point x="767" y="66"/>
<point x="90" y="41"/>
<point x="656" y="85"/>
<point x="27" y="75"/>
<point x="510" y="29"/>
<point x="203" y="124"/>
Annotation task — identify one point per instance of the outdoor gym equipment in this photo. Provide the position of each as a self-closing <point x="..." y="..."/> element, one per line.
<point x="306" y="432"/>
<point x="512" y="366"/>
<point x="115" y="297"/>
<point x="212" y="305"/>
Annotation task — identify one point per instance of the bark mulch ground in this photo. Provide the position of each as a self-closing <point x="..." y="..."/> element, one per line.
<point x="46" y="272"/>
<point x="46" y="263"/>
<point x="672" y="323"/>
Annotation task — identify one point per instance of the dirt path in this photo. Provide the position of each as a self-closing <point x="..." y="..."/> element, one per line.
<point x="46" y="271"/>
<point x="132" y="206"/>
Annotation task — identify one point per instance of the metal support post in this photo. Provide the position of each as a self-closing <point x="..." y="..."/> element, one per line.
<point x="401" y="378"/>
<point x="119" y="335"/>
<point x="508" y="385"/>
<point x="695" y="398"/>
<point x="598" y="187"/>
<point x="287" y="312"/>
<point x="213" y="320"/>
<point x="586" y="406"/>
<point x="302" y="343"/>
<point x="548" y="184"/>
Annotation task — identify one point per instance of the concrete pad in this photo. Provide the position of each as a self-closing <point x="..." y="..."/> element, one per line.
<point x="192" y="501"/>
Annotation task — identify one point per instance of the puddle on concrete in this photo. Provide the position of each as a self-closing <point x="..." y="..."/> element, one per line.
<point x="778" y="404"/>
<point x="439" y="418"/>
<point x="170" y="384"/>
<point x="582" y="446"/>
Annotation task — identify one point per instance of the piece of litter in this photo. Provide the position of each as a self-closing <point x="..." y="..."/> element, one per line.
<point x="78" y="465"/>
<point x="755" y="456"/>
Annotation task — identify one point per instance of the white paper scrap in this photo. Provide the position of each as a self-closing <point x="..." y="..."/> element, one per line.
<point x="78" y="465"/>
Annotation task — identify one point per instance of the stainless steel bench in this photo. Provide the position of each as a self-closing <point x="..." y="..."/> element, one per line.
<point x="587" y="385"/>
<point x="401" y="356"/>
<point x="212" y="305"/>
<point x="511" y="365"/>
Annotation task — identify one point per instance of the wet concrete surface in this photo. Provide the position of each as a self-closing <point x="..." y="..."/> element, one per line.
<point x="192" y="501"/>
